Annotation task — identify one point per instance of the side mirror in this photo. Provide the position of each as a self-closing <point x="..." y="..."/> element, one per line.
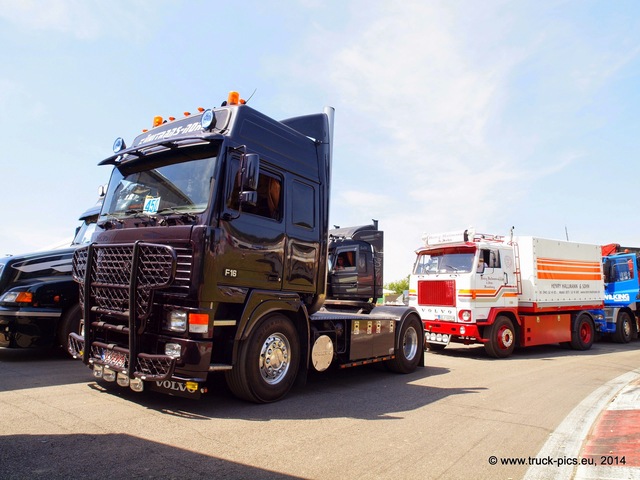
<point x="250" y="168"/>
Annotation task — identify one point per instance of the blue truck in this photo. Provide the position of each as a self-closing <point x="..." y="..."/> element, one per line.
<point x="619" y="320"/>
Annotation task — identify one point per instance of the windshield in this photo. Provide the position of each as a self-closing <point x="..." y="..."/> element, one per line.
<point x="444" y="261"/>
<point x="178" y="184"/>
<point x="84" y="234"/>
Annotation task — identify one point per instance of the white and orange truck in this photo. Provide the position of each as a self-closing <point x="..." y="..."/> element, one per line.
<point x="505" y="292"/>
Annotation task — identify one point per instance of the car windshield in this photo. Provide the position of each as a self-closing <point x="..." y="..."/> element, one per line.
<point x="178" y="184"/>
<point x="85" y="232"/>
<point x="444" y="261"/>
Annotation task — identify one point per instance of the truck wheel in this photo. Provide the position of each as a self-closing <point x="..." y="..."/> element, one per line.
<point x="409" y="351"/>
<point x="69" y="323"/>
<point x="502" y="338"/>
<point x="623" y="328"/>
<point x="583" y="335"/>
<point x="267" y="362"/>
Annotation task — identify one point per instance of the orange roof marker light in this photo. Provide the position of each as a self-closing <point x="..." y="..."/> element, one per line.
<point x="157" y="120"/>
<point x="233" y="98"/>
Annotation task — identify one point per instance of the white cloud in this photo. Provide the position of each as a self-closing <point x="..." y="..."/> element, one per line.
<point x="82" y="19"/>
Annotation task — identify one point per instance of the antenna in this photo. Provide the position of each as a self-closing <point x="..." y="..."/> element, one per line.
<point x="566" y="233"/>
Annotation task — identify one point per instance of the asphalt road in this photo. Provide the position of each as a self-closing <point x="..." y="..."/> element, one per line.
<point x="444" y="421"/>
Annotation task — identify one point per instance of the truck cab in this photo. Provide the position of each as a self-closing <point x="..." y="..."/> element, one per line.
<point x="619" y="319"/>
<point x="463" y="280"/>
<point x="355" y="267"/>
<point x="38" y="297"/>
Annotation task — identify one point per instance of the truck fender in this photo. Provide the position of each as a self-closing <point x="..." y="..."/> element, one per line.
<point x="400" y="313"/>
<point x="577" y="315"/>
<point x="262" y="302"/>
<point x="511" y="314"/>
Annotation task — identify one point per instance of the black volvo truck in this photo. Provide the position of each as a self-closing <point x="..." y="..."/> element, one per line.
<point x="212" y="253"/>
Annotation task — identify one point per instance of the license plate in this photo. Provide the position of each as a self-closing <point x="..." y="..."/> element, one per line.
<point x="115" y="359"/>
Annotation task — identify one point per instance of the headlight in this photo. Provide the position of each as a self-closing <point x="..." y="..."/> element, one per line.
<point x="177" y="321"/>
<point x="16" y="296"/>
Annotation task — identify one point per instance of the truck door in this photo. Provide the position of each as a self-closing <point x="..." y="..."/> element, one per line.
<point x="252" y="243"/>
<point x="495" y="271"/>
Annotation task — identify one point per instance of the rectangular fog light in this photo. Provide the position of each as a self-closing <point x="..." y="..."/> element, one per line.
<point x="173" y="350"/>
<point x="97" y="371"/>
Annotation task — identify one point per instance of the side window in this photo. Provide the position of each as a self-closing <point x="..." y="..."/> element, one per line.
<point x="494" y="259"/>
<point x="623" y="270"/>
<point x="362" y="259"/>
<point x="346" y="261"/>
<point x="302" y="205"/>
<point x="269" y="202"/>
<point x="488" y="259"/>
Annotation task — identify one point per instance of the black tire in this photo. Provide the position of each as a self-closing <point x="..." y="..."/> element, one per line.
<point x="267" y="363"/>
<point x="69" y="323"/>
<point x="624" y="328"/>
<point x="502" y="338"/>
<point x="408" y="352"/>
<point x="584" y="333"/>
<point x="436" y="347"/>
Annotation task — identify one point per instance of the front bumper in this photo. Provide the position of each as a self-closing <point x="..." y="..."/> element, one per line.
<point x="160" y="372"/>
<point x="455" y="332"/>
<point x="28" y="327"/>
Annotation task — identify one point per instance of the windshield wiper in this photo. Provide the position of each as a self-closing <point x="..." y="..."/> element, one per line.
<point x="110" y="222"/>
<point x="184" y="217"/>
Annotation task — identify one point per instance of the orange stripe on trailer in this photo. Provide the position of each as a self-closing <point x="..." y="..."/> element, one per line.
<point x="544" y="268"/>
<point x="568" y="276"/>
<point x="566" y="268"/>
<point x="569" y="265"/>
<point x="558" y="261"/>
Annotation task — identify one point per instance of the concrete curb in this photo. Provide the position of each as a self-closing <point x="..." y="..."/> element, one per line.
<point x="567" y="441"/>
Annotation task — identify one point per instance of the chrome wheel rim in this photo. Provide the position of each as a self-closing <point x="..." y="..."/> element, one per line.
<point x="275" y="358"/>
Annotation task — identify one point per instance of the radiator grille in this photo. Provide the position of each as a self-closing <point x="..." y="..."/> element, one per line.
<point x="441" y="293"/>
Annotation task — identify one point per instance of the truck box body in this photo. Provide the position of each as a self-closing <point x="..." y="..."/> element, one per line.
<point x="558" y="274"/>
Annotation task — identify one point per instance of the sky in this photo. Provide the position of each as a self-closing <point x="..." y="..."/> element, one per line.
<point x="449" y="114"/>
